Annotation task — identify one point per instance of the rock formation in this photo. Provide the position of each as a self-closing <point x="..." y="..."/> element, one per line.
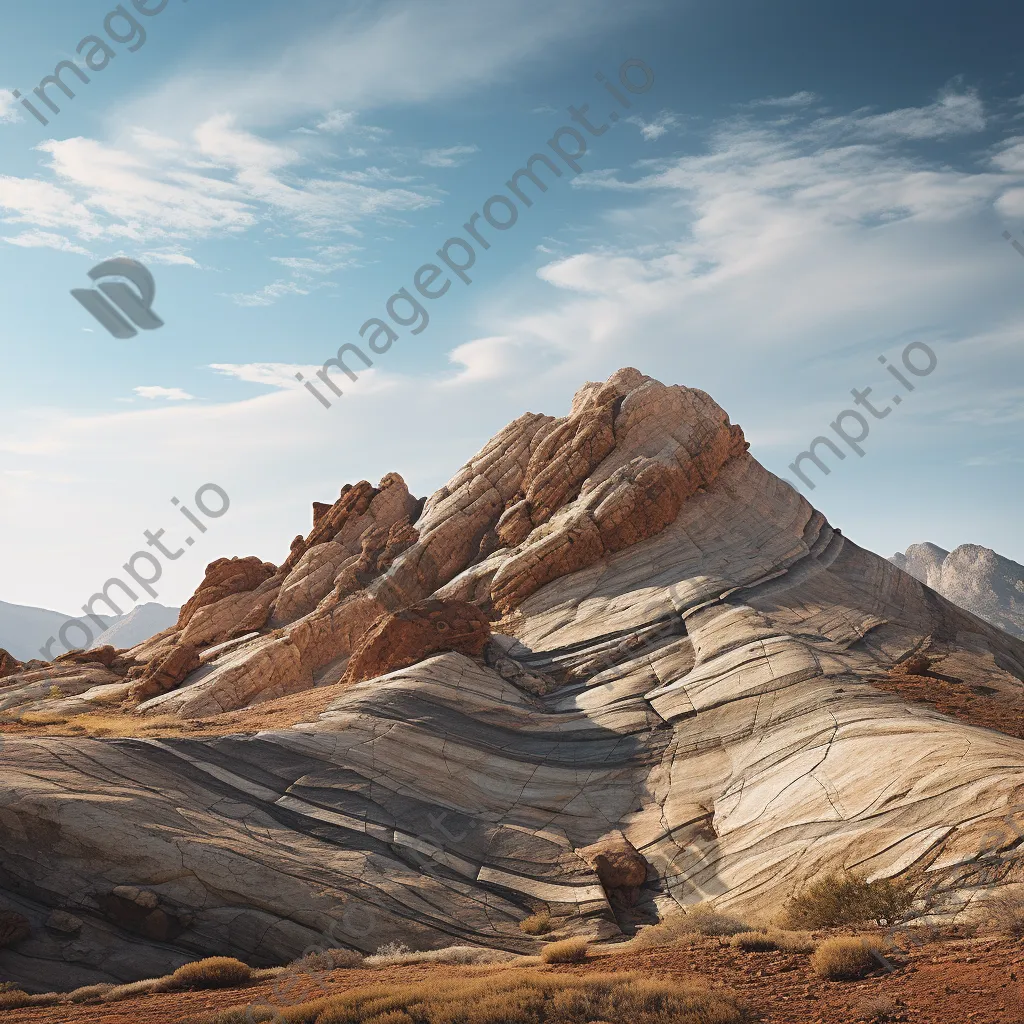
<point x="662" y="680"/>
<point x="975" y="578"/>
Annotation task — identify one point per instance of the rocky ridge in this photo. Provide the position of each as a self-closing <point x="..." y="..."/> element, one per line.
<point x="973" y="577"/>
<point x="612" y="667"/>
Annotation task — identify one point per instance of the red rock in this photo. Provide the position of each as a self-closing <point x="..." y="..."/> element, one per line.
<point x="396" y="641"/>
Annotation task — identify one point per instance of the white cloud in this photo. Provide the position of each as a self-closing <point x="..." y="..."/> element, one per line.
<point x="222" y="181"/>
<point x="276" y="375"/>
<point x="452" y="156"/>
<point x="952" y="114"/>
<point x="46" y="240"/>
<point x="9" y="112"/>
<point x="796" y="99"/>
<point x="170" y="394"/>
<point x="371" y="56"/>
<point x="653" y="130"/>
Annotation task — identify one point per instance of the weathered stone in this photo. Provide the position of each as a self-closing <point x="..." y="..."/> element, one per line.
<point x="409" y="636"/>
<point x="617" y="862"/>
<point x="165" y="673"/>
<point x="64" y="923"/>
<point x="9" y="664"/>
<point x="224" y="577"/>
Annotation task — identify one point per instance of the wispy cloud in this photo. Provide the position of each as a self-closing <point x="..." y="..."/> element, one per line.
<point x="654" y="129"/>
<point x="46" y="240"/>
<point x="452" y="156"/>
<point x="169" y="394"/>
<point x="796" y="99"/>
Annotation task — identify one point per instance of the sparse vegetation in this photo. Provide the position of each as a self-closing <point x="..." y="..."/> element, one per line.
<point x="511" y="996"/>
<point x="447" y="955"/>
<point x="568" y="951"/>
<point x="328" y="960"/>
<point x="754" y="942"/>
<point x="879" y="1010"/>
<point x="15" y="999"/>
<point x="213" y="972"/>
<point x="1005" y="915"/>
<point x="794" y="942"/>
<point x="700" y="919"/>
<point x="845" y="958"/>
<point x="55" y="693"/>
<point x="846" y="899"/>
<point x="536" y="924"/>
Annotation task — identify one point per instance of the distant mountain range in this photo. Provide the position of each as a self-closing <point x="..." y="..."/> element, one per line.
<point x="24" y="630"/>
<point x="975" y="578"/>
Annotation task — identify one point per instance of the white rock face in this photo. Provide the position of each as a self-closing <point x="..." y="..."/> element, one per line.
<point x="973" y="577"/>
<point x="705" y="692"/>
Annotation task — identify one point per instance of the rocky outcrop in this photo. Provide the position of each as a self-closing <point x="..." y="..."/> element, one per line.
<point x="166" y="672"/>
<point x="430" y="627"/>
<point x="9" y="664"/>
<point x="225" y="577"/>
<point x="697" y="705"/>
<point x="973" y="577"/>
<point x="620" y="868"/>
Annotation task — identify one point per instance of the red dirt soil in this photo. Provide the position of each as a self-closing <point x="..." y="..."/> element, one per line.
<point x="967" y="981"/>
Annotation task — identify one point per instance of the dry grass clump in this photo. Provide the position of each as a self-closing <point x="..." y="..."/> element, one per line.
<point x="700" y="919"/>
<point x="523" y="997"/>
<point x="845" y="899"/>
<point x="327" y="960"/>
<point x="137" y="988"/>
<point x="89" y="993"/>
<point x="397" y="953"/>
<point x="568" y="951"/>
<point x="1005" y="915"/>
<point x="15" y="999"/>
<point x="794" y="942"/>
<point x="879" y="1010"/>
<point x="536" y="924"/>
<point x="213" y="972"/>
<point x="844" y="959"/>
<point x="754" y="942"/>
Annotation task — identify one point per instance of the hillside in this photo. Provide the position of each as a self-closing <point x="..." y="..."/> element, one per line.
<point x="973" y="577"/>
<point x="612" y="668"/>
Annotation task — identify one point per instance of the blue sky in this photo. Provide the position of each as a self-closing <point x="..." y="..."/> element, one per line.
<point x="805" y="187"/>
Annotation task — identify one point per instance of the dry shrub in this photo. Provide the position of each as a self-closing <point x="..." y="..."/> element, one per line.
<point x="845" y="958"/>
<point x="328" y="960"/>
<point x="137" y="988"/>
<point x="520" y="996"/>
<point x="1005" y="915"/>
<point x="879" y="1010"/>
<point x="88" y="993"/>
<point x="568" y="951"/>
<point x="845" y="899"/>
<point x="754" y="942"/>
<point x="794" y="942"/>
<point x="447" y="955"/>
<point x="213" y="972"/>
<point x="15" y="999"/>
<point x="700" y="919"/>
<point x="536" y="924"/>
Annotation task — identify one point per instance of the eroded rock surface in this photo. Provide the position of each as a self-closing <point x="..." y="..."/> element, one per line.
<point x="687" y="677"/>
<point x="430" y="627"/>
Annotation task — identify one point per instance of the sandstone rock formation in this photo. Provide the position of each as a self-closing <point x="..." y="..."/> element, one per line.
<point x="687" y="663"/>
<point x="975" y="578"/>
<point x="412" y="635"/>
